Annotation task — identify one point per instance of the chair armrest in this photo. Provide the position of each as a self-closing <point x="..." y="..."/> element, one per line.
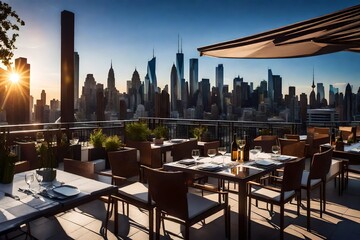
<point x="264" y="186"/>
<point x="208" y="188"/>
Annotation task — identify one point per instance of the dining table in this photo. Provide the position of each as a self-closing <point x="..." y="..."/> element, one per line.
<point x="221" y="167"/>
<point x="20" y="204"/>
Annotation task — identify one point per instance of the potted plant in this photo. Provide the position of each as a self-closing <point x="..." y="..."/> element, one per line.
<point x="7" y="161"/>
<point x="160" y="133"/>
<point x="200" y="132"/>
<point x="137" y="131"/>
<point x="113" y="143"/>
<point x="47" y="161"/>
<point x="97" y="138"/>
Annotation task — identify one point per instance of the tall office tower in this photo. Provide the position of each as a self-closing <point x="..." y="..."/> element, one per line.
<point x="194" y="79"/>
<point x="303" y="107"/>
<point x="205" y="93"/>
<point x="67" y="66"/>
<point x="173" y="89"/>
<point x="18" y="95"/>
<point x="320" y="91"/>
<point x="312" y="94"/>
<point x="270" y="93"/>
<point x="292" y="91"/>
<point x="179" y="69"/>
<point x="236" y="96"/>
<point x="162" y="105"/>
<point x="357" y="103"/>
<point x="39" y="111"/>
<point x="277" y="80"/>
<point x="134" y="91"/>
<point x="76" y="80"/>
<point x="348" y="104"/>
<point x="184" y="93"/>
<point x="43" y="97"/>
<point x="219" y="83"/>
<point x="332" y="92"/>
<point x="111" y="93"/>
<point x="100" y="102"/>
<point x="88" y="97"/>
<point x="151" y="74"/>
<point x="54" y="110"/>
<point x="263" y="89"/>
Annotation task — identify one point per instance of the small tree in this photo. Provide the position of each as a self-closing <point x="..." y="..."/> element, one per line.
<point x="9" y="21"/>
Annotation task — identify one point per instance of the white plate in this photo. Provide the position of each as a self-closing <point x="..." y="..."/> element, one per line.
<point x="187" y="161"/>
<point x="67" y="190"/>
<point x="264" y="162"/>
<point x="209" y="167"/>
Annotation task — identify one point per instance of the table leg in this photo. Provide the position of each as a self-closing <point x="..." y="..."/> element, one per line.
<point x="242" y="215"/>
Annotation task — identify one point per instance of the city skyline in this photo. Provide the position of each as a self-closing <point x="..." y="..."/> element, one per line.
<point x="110" y="32"/>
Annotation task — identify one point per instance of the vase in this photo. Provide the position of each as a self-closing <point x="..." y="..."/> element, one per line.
<point x="49" y="174"/>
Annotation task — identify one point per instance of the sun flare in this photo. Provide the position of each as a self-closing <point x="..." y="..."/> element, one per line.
<point x="14" y="78"/>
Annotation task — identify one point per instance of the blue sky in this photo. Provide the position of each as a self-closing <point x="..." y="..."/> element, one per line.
<point x="127" y="31"/>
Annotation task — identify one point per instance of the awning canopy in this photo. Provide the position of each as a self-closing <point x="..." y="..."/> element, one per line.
<point x="339" y="31"/>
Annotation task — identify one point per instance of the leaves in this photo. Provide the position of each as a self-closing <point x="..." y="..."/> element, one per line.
<point x="9" y="24"/>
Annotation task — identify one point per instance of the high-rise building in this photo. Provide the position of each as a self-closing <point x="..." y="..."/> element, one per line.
<point x="43" y="97"/>
<point x="111" y="93"/>
<point x="219" y="83"/>
<point x="320" y="91"/>
<point x="17" y="104"/>
<point x="270" y="86"/>
<point x="173" y="89"/>
<point x="312" y="94"/>
<point x="277" y="81"/>
<point x="67" y="66"/>
<point x="332" y="92"/>
<point x="76" y="80"/>
<point x="194" y="78"/>
<point x="348" y="104"/>
<point x="88" y="98"/>
<point x="179" y="69"/>
<point x="205" y="93"/>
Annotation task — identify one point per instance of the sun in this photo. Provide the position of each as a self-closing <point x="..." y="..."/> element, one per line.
<point x="14" y="78"/>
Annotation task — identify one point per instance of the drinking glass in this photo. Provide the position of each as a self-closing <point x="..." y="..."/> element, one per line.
<point x="211" y="152"/>
<point x="254" y="153"/>
<point x="259" y="148"/>
<point x="74" y="138"/>
<point x="222" y="151"/>
<point x="29" y="178"/>
<point x="39" y="179"/>
<point x="275" y="149"/>
<point x="195" y="153"/>
<point x="241" y="143"/>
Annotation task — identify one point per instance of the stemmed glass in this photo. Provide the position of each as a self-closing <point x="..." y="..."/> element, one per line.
<point x="275" y="149"/>
<point x="29" y="178"/>
<point x="39" y="179"/>
<point x="74" y="138"/>
<point x="222" y="151"/>
<point x="211" y="152"/>
<point x="241" y="144"/>
<point x="195" y="153"/>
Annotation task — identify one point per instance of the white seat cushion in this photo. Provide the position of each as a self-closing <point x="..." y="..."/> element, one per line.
<point x="136" y="190"/>
<point x="270" y="194"/>
<point x="198" y="204"/>
<point x="305" y="177"/>
<point x="334" y="169"/>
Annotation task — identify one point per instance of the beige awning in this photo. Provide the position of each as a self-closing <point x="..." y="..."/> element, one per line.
<point x="339" y="31"/>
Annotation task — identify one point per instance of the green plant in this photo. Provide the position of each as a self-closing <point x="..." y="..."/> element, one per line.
<point x="112" y="143"/>
<point x="198" y="132"/>
<point x="160" y="131"/>
<point x="7" y="160"/>
<point x="97" y="138"/>
<point x="137" y="131"/>
<point x="46" y="155"/>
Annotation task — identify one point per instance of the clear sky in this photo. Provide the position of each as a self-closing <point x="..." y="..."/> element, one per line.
<point x="127" y="32"/>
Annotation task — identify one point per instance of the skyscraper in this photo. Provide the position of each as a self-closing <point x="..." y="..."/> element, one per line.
<point x="320" y="91"/>
<point x="173" y="89"/>
<point x="111" y="93"/>
<point x="194" y="79"/>
<point x="219" y="83"/>
<point x="67" y="66"/>
<point x="76" y="80"/>
<point x="270" y="86"/>
<point x="348" y="104"/>
<point x="179" y="69"/>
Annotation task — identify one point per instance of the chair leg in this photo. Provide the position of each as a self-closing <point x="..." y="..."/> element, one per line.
<point x="282" y="221"/>
<point x="298" y="202"/>
<point x="187" y="232"/>
<point x="321" y="199"/>
<point x="249" y="217"/>
<point x="157" y="224"/>
<point x="308" y="209"/>
<point x="324" y="197"/>
<point x="108" y="214"/>
<point x="151" y="224"/>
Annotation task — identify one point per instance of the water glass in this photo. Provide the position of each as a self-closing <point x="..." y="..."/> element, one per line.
<point x="222" y="151"/>
<point x="195" y="153"/>
<point x="275" y="149"/>
<point x="211" y="152"/>
<point x="29" y="178"/>
<point x="39" y="178"/>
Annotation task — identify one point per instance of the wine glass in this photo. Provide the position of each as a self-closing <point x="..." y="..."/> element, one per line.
<point x="195" y="153"/>
<point x="74" y="138"/>
<point x="254" y="153"/>
<point x="275" y="149"/>
<point x="39" y="178"/>
<point x="211" y="152"/>
<point x="222" y="151"/>
<point x="29" y="178"/>
<point x="241" y="143"/>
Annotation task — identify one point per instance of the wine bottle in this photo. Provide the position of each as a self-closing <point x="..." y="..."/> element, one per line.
<point x="246" y="149"/>
<point x="234" y="149"/>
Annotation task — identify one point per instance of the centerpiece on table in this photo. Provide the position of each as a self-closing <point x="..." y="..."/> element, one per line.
<point x="47" y="161"/>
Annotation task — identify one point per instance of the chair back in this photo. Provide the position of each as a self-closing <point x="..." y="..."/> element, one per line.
<point x="28" y="153"/>
<point x="292" y="174"/>
<point x="320" y="164"/>
<point x="322" y="130"/>
<point x="169" y="191"/>
<point x="266" y="142"/>
<point x="292" y="147"/>
<point x="85" y="169"/>
<point x="347" y="132"/>
<point x="292" y="136"/>
<point x="144" y="148"/>
<point x="123" y="163"/>
<point x="211" y="145"/>
<point x="183" y="150"/>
